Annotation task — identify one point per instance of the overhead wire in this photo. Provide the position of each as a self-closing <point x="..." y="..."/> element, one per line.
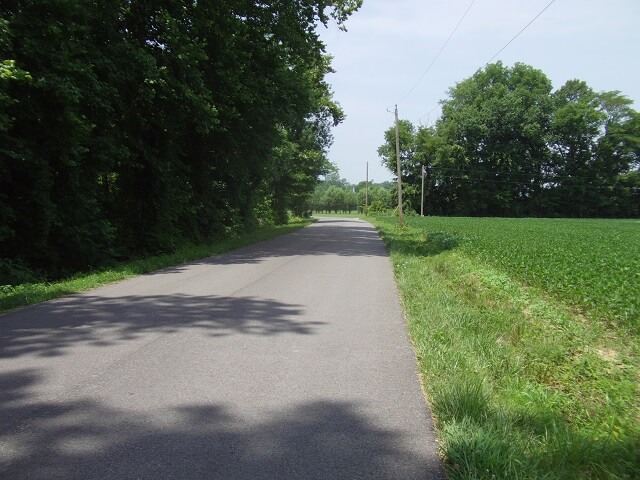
<point x="511" y="174"/>
<point x="429" y="112"/>
<point x="503" y="48"/>
<point x="520" y="32"/>
<point x="438" y="54"/>
<point x="459" y="174"/>
<point x="524" y="184"/>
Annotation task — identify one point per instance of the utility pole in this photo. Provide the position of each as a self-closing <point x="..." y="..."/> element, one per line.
<point x="424" y="172"/>
<point x="400" y="219"/>
<point x="366" y="194"/>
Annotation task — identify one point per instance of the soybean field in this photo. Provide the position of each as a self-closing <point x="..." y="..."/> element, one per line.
<point x="526" y="333"/>
<point x="591" y="264"/>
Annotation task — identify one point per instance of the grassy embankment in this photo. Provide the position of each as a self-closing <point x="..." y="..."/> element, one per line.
<point x="29" y="293"/>
<point x="526" y="332"/>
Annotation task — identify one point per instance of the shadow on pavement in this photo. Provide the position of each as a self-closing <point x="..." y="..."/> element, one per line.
<point x="325" y="237"/>
<point x="103" y="321"/>
<point x="90" y="440"/>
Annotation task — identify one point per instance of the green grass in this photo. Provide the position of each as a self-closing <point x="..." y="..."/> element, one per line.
<point x="593" y="265"/>
<point x="29" y="293"/>
<point x="531" y="367"/>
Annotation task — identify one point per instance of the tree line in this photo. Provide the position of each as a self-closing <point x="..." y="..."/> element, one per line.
<point x="507" y="144"/>
<point x="132" y="126"/>
<point x="337" y="195"/>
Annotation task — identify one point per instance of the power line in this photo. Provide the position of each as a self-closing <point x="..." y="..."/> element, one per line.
<point x="439" y="52"/>
<point x="523" y="184"/>
<point x="512" y="174"/>
<point x="518" y="34"/>
<point x="429" y="112"/>
<point x="498" y="52"/>
<point x="546" y="177"/>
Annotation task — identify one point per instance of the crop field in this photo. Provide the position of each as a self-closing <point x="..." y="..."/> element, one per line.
<point x="527" y="338"/>
<point x="591" y="264"/>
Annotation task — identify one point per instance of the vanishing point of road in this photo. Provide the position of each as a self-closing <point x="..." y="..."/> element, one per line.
<point x="288" y="359"/>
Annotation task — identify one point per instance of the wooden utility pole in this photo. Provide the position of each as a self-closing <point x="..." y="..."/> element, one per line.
<point x="366" y="193"/>
<point x="400" y="219"/>
<point x="424" y="171"/>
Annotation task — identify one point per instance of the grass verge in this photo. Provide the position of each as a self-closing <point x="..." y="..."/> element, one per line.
<point x="522" y="385"/>
<point x="26" y="294"/>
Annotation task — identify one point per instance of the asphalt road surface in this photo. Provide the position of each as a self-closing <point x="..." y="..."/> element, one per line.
<point x="284" y="360"/>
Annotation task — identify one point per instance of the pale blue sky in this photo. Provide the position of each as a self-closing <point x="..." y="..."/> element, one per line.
<point x="390" y="43"/>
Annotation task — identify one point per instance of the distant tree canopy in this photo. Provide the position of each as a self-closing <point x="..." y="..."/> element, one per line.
<point x="335" y="194"/>
<point x="130" y="126"/>
<point x="508" y="145"/>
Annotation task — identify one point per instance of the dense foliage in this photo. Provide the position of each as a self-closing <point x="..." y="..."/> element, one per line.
<point x="508" y="145"/>
<point x="130" y="126"/>
<point x="335" y="194"/>
<point x="591" y="264"/>
<point x="526" y="332"/>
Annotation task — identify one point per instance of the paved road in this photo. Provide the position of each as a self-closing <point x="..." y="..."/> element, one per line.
<point x="284" y="360"/>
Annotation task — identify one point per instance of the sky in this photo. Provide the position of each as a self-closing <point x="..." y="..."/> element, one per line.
<point x="389" y="45"/>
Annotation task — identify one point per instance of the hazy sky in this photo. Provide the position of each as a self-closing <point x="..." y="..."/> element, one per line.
<point x="390" y="43"/>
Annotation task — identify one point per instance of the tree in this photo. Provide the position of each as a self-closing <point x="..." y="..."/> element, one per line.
<point x="333" y="178"/>
<point x="333" y="199"/>
<point x="576" y="125"/>
<point x="495" y="124"/>
<point x="141" y="125"/>
<point x="380" y="196"/>
<point x="594" y="143"/>
<point x="507" y="145"/>
<point x="387" y="151"/>
<point x="409" y="163"/>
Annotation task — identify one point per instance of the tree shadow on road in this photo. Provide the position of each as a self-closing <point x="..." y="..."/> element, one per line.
<point x="50" y="329"/>
<point x="325" y="237"/>
<point x="85" y="439"/>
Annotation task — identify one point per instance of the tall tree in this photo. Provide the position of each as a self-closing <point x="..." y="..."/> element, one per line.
<point x="495" y="122"/>
<point x="507" y="145"/>
<point x="594" y="142"/>
<point x="142" y="124"/>
<point x="576" y="125"/>
<point x="409" y="163"/>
